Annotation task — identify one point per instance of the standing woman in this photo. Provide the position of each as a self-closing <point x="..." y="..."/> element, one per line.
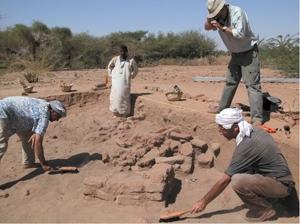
<point x="121" y="70"/>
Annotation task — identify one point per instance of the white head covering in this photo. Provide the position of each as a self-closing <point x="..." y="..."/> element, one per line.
<point x="229" y="116"/>
<point x="58" y="107"/>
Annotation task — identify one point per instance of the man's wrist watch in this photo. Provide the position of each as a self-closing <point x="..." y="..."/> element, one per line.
<point x="224" y="28"/>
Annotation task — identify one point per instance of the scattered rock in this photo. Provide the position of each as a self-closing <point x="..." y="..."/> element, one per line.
<point x="166" y="117"/>
<point x="195" y="127"/>
<point x="105" y="158"/>
<point x="27" y="193"/>
<point x="140" y="116"/>
<point x="110" y="125"/>
<point x="3" y="194"/>
<point x="187" y="96"/>
<point x="140" y="106"/>
<point x="123" y="143"/>
<point x="216" y="149"/>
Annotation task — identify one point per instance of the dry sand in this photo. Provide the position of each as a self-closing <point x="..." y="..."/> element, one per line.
<point x="35" y="196"/>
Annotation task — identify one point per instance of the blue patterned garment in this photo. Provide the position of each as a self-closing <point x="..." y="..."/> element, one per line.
<point x="25" y="114"/>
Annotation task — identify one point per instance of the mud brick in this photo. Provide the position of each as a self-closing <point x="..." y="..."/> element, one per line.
<point x="170" y="160"/>
<point x="154" y="187"/>
<point x="186" y="150"/>
<point x="206" y="160"/>
<point x="200" y="145"/>
<point x="97" y="193"/>
<point x="154" y="196"/>
<point x="180" y="136"/>
<point x="148" y="159"/>
<point x="156" y="141"/>
<point x="187" y="166"/>
<point x="129" y="199"/>
<point x="160" y="173"/>
<point x="95" y="182"/>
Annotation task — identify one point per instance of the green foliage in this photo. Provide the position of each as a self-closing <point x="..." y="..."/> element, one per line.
<point x="187" y="45"/>
<point x="57" y="48"/>
<point x="282" y="53"/>
<point x="37" y="46"/>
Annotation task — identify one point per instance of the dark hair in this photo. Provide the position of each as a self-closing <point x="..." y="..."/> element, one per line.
<point x="123" y="48"/>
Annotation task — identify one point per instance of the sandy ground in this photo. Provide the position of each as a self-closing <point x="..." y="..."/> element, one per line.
<point x="35" y="196"/>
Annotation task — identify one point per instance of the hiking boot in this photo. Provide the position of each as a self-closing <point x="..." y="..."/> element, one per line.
<point x="256" y="123"/>
<point x="31" y="165"/>
<point x="260" y="215"/>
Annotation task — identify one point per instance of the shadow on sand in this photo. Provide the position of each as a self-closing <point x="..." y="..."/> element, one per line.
<point x="78" y="160"/>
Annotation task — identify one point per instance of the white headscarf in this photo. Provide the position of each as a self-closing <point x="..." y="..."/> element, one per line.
<point x="229" y="116"/>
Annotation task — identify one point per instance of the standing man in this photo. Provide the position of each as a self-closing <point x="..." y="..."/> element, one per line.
<point x="122" y="70"/>
<point x="234" y="28"/>
<point x="28" y="118"/>
<point x="257" y="170"/>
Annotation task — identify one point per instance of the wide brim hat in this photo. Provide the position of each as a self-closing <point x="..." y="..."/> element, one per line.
<point x="214" y="7"/>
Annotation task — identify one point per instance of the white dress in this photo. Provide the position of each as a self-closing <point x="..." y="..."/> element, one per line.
<point x="121" y="72"/>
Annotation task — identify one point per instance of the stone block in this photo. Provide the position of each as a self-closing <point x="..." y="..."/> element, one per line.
<point x="188" y="166"/>
<point x="140" y="116"/>
<point x="180" y="136"/>
<point x="160" y="173"/>
<point x="149" y="158"/>
<point x="156" y="141"/>
<point x="186" y="150"/>
<point x="98" y="193"/>
<point x="165" y="150"/>
<point x="129" y="199"/>
<point x="199" y="145"/>
<point x="206" y="160"/>
<point x="133" y="187"/>
<point x="154" y="196"/>
<point x="95" y="182"/>
<point x="170" y="160"/>
<point x="176" y="167"/>
<point x="154" y="187"/>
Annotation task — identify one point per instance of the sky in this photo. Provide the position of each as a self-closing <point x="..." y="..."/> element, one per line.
<point x="268" y="18"/>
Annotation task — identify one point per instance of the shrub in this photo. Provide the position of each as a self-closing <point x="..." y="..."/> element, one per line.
<point x="282" y="53"/>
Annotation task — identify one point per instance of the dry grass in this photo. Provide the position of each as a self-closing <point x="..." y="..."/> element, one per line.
<point x="211" y="60"/>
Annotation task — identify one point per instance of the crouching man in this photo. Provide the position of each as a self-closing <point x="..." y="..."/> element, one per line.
<point x="258" y="171"/>
<point x="28" y="118"/>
